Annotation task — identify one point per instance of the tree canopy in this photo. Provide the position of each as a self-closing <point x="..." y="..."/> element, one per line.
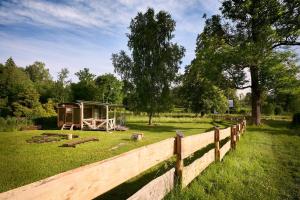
<point x="248" y="37"/>
<point x="154" y="61"/>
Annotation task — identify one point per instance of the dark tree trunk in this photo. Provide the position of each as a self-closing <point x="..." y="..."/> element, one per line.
<point x="150" y="118"/>
<point x="256" y="95"/>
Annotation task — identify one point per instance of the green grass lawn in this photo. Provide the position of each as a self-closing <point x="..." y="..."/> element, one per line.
<point x="265" y="165"/>
<point x="23" y="163"/>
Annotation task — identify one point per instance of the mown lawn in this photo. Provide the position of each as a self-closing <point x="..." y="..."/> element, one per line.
<point x="23" y="163"/>
<point x="266" y="165"/>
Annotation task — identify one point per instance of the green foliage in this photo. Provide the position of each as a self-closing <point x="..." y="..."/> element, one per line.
<point x="62" y="90"/>
<point x="203" y="97"/>
<point x="154" y="62"/>
<point x="246" y="37"/>
<point x="47" y="122"/>
<point x="109" y="89"/>
<point x="278" y="110"/>
<point x="20" y="96"/>
<point x="104" y="88"/>
<point x="268" y="109"/>
<point x="42" y="80"/>
<point x="17" y="90"/>
<point x="86" y="88"/>
<point x="296" y="119"/>
<point x="13" y="123"/>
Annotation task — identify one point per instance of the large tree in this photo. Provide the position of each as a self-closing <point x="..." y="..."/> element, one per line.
<point x="85" y="89"/>
<point x="62" y="91"/>
<point x="250" y="35"/>
<point x="42" y="80"/>
<point x="154" y="62"/>
<point x="18" y="94"/>
<point x="200" y="94"/>
<point x="109" y="89"/>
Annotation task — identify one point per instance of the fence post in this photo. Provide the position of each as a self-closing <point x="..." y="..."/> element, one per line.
<point x="243" y="127"/>
<point x="179" y="160"/>
<point x="245" y="124"/>
<point x="217" y="144"/>
<point x="237" y="132"/>
<point x="233" y="137"/>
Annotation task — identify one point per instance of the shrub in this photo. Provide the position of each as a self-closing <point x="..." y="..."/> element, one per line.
<point x="46" y="122"/>
<point x="13" y="123"/>
<point x="268" y="109"/>
<point x="242" y="112"/>
<point x="278" y="110"/>
<point x="296" y="119"/>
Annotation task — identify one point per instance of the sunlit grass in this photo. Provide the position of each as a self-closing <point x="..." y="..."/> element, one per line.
<point x="266" y="165"/>
<point x="23" y="163"/>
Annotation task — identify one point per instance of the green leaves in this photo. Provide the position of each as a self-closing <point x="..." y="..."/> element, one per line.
<point x="104" y="88"/>
<point x="154" y="62"/>
<point x="247" y="38"/>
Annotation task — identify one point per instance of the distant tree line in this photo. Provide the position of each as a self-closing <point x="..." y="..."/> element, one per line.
<point x="31" y="92"/>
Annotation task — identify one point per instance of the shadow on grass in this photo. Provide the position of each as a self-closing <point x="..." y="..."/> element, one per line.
<point x="130" y="187"/>
<point x="222" y="123"/>
<point x="162" y="128"/>
<point x="273" y="126"/>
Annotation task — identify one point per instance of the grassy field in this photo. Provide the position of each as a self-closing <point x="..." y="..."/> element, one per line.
<point x="23" y="163"/>
<point x="266" y="165"/>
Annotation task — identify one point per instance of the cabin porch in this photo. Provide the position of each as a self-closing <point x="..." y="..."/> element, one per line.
<point x="87" y="115"/>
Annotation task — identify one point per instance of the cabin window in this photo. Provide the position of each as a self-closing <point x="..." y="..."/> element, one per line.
<point x="96" y="113"/>
<point x="88" y="113"/>
<point x="76" y="116"/>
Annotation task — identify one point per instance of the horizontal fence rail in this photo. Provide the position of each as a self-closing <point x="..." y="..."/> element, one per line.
<point x="193" y="143"/>
<point x="156" y="189"/>
<point x="193" y="170"/>
<point x="92" y="180"/>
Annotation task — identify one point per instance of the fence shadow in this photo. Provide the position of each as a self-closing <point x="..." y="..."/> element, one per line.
<point x="130" y="187"/>
<point x="162" y="128"/>
<point x="272" y="126"/>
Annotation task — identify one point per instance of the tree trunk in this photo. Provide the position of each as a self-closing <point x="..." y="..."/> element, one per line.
<point x="150" y="119"/>
<point x="256" y="95"/>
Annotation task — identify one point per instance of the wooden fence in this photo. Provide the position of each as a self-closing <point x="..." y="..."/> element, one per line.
<point x="92" y="180"/>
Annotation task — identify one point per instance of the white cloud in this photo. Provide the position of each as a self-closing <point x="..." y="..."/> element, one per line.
<point x="83" y="33"/>
<point x="107" y="15"/>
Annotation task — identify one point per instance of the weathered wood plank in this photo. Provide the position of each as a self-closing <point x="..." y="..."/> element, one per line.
<point x="83" y="140"/>
<point x="60" y="135"/>
<point x="224" y="149"/>
<point x="157" y="188"/>
<point x="193" y="170"/>
<point x="194" y="143"/>
<point x="92" y="180"/>
<point x="224" y="133"/>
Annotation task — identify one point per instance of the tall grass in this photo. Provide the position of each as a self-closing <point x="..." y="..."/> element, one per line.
<point x="13" y="123"/>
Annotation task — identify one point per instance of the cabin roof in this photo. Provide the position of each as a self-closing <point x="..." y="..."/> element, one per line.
<point x="78" y="102"/>
<point x="98" y="103"/>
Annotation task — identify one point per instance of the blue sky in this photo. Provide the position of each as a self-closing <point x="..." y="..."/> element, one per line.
<point x="77" y="34"/>
<point x="82" y="33"/>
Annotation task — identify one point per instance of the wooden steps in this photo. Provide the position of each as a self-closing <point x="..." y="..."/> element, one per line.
<point x="67" y="127"/>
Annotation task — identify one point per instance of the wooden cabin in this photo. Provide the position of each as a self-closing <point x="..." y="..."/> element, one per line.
<point x="86" y="115"/>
